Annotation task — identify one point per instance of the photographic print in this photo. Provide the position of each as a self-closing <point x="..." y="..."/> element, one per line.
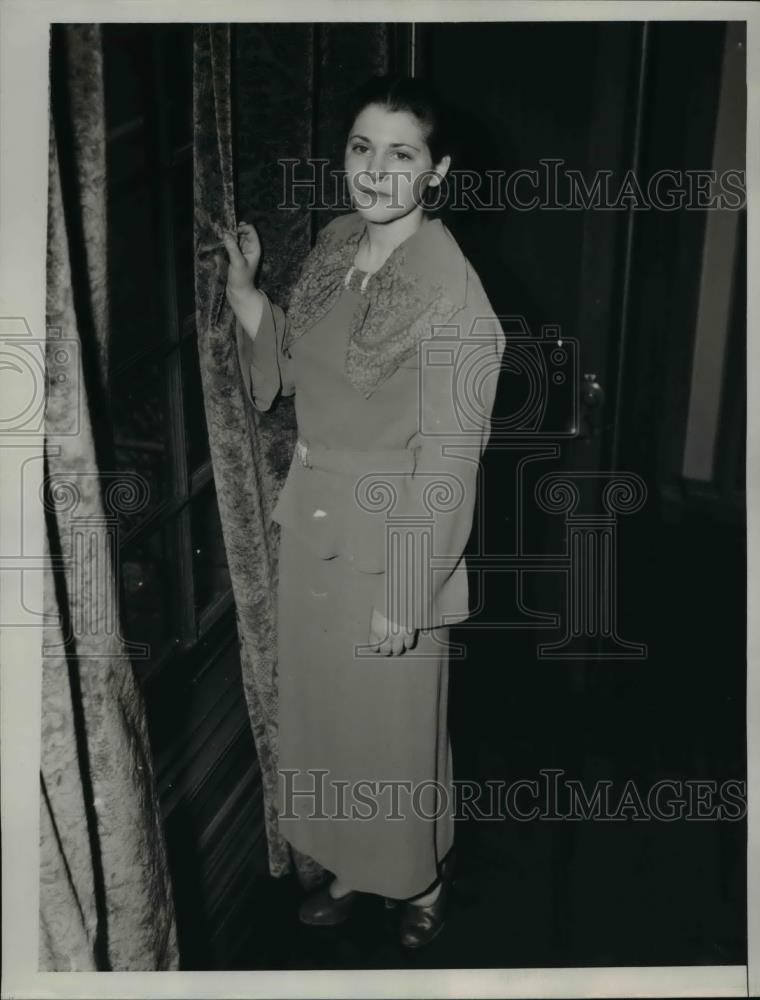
<point x="386" y="443"/>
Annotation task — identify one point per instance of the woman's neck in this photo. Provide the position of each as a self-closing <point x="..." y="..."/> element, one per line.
<point x="380" y="239"/>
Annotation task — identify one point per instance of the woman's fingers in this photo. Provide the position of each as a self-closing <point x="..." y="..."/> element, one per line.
<point x="409" y="638"/>
<point x="249" y="241"/>
<point x="393" y="643"/>
<point x="246" y="231"/>
<point x="381" y="646"/>
<point x="232" y="248"/>
<point x="238" y="249"/>
<point x="387" y="638"/>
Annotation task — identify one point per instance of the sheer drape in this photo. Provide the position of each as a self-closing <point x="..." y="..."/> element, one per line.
<point x="105" y="896"/>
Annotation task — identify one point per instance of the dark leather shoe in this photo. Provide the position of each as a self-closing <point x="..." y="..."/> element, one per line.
<point x="419" y="925"/>
<point x="322" y="909"/>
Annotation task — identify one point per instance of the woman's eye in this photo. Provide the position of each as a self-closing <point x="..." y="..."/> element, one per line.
<point x="403" y="156"/>
<point x="358" y="148"/>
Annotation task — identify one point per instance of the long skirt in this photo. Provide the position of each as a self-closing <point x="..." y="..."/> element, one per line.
<point x="365" y="764"/>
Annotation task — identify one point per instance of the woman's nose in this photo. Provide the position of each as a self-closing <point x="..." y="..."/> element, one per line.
<point x="377" y="171"/>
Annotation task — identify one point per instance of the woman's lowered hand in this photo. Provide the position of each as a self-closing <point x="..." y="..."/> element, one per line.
<point x="387" y="637"/>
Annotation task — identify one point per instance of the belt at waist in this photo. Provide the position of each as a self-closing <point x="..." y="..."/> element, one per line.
<point x="351" y="461"/>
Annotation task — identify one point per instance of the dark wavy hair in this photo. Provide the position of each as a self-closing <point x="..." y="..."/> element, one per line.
<point x="413" y="95"/>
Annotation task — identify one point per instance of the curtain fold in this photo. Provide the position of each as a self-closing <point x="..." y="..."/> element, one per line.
<point x="262" y="92"/>
<point x="105" y="893"/>
<point x="245" y="482"/>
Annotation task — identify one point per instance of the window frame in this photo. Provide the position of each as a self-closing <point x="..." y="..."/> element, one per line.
<point x="190" y="622"/>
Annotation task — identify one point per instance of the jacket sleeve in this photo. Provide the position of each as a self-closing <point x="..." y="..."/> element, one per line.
<point x="265" y="366"/>
<point x="429" y="525"/>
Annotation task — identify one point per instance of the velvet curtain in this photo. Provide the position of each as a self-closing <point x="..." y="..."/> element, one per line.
<point x="105" y="895"/>
<point x="262" y="92"/>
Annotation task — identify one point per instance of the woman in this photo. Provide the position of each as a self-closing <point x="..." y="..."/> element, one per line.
<point x="376" y="510"/>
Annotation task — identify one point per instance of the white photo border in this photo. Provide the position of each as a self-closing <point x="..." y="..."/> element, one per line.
<point x="24" y="82"/>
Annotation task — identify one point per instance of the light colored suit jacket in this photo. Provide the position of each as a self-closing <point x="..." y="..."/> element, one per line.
<point x="399" y="502"/>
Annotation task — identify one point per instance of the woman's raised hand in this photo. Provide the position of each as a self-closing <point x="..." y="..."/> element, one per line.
<point x="244" y="252"/>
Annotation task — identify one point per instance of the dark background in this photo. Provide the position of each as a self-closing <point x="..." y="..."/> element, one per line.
<point x="624" y="286"/>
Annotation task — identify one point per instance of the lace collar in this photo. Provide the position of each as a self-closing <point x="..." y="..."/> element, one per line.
<point x="422" y="283"/>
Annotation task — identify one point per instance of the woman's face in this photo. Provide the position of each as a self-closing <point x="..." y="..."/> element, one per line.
<point x="388" y="163"/>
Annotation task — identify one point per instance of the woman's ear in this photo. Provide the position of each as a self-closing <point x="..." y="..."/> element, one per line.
<point x="441" y="169"/>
